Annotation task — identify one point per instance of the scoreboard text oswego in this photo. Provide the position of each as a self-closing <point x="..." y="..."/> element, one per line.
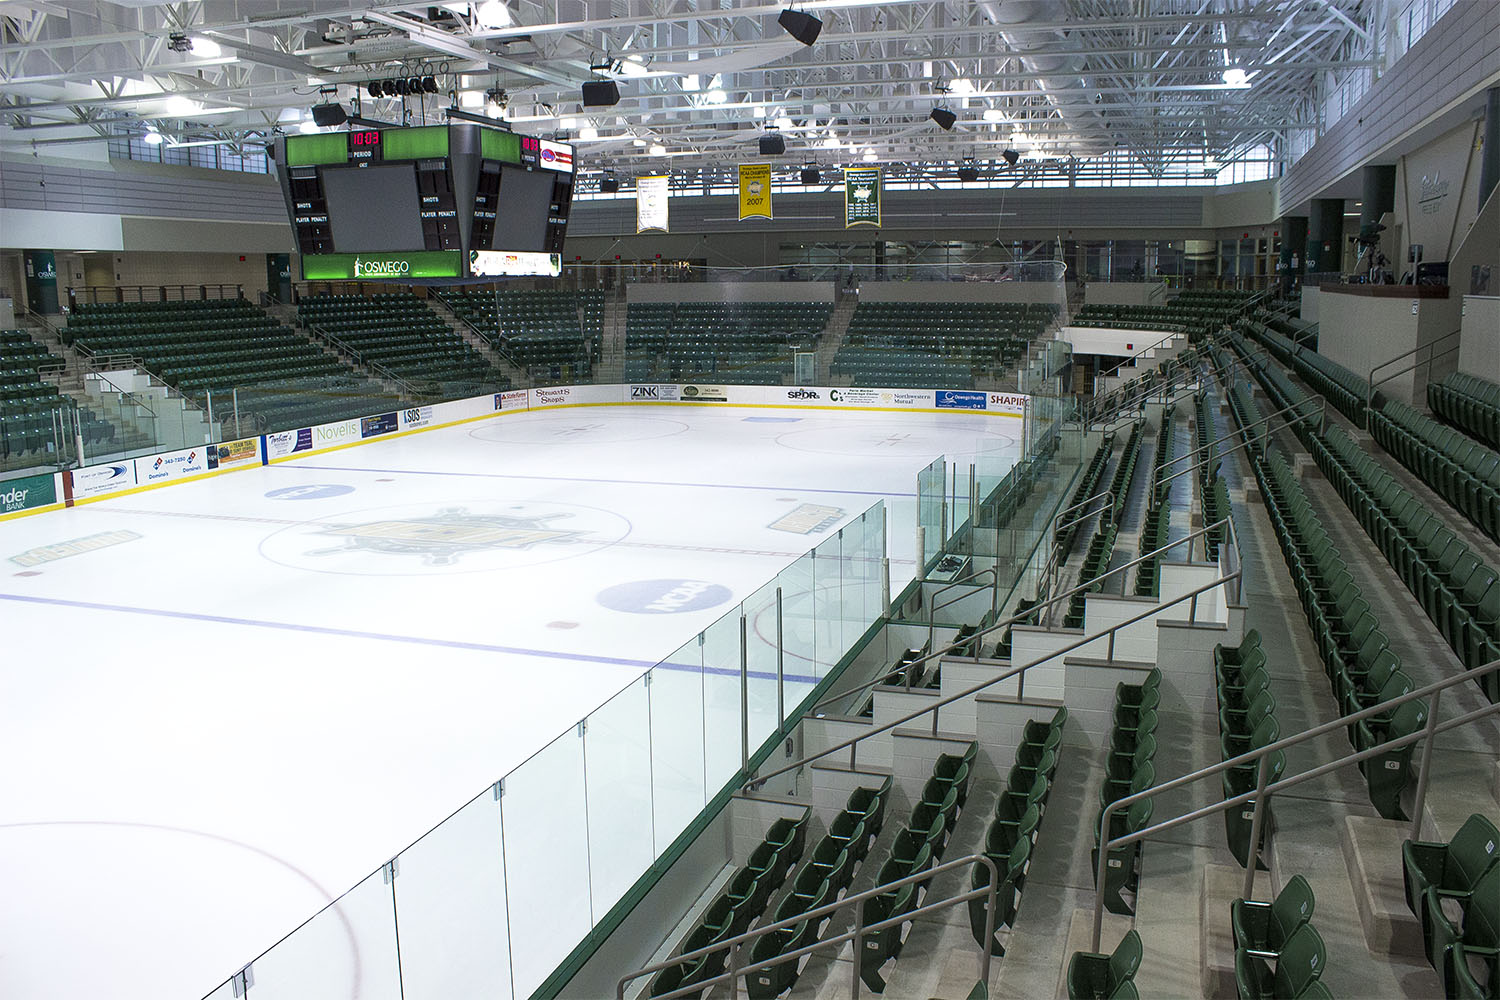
<point x="428" y="194"/>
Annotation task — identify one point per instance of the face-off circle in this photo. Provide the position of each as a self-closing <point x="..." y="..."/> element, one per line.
<point x="578" y="428"/>
<point x="476" y="536"/>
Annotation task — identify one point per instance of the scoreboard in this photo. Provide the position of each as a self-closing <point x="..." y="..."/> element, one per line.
<point x="361" y="199"/>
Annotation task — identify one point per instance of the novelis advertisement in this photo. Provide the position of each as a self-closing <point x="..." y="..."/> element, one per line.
<point x="339" y="432"/>
<point x="861" y="196"/>
<point x="755" y="191"/>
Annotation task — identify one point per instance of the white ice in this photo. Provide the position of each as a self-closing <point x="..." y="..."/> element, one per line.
<point x="214" y="729"/>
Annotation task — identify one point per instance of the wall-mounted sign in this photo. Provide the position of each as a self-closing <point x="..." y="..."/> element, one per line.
<point x="382" y="266"/>
<point x="651" y="204"/>
<point x="497" y="263"/>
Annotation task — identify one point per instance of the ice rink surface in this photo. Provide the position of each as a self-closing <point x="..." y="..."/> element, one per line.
<point x="241" y="696"/>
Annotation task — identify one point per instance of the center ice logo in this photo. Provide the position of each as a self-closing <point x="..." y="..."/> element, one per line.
<point x="442" y="539"/>
<point x="663" y="597"/>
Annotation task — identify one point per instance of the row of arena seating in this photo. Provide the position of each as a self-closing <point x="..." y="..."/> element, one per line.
<point x="917" y="847"/>
<point x="1462" y="872"/>
<point x="1015" y="825"/>
<point x="1158" y="512"/>
<point x="742" y="902"/>
<point x="1101" y="547"/>
<point x="1067" y="527"/>
<point x="537" y="328"/>
<point x="1277" y="951"/>
<point x="1361" y="669"/>
<point x="1460" y="469"/>
<point x="825" y="875"/>
<point x="964" y="339"/>
<point x="27" y="403"/>
<point x="1247" y="721"/>
<point x="1347" y="391"/>
<point x="1092" y="976"/>
<point x="1470" y="403"/>
<point x="1459" y="592"/>
<point x="401" y="334"/>
<point x="724" y="342"/>
<point x="1129" y="770"/>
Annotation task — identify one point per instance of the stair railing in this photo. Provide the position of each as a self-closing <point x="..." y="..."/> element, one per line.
<point x="1225" y="580"/>
<point x="1244" y="437"/>
<point x="1264" y="787"/>
<point x="1138" y="355"/>
<point x="735" y="945"/>
<point x="1371" y="383"/>
<point x="934" y="606"/>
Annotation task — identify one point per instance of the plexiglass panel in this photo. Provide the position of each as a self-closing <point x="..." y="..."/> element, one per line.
<point x="347" y="950"/>
<point x="450" y="907"/>
<point x="721" y="700"/>
<point x="760" y="639"/>
<point x="617" y="756"/>
<point x="799" y="628"/>
<point x="677" y="772"/>
<point x="546" y="859"/>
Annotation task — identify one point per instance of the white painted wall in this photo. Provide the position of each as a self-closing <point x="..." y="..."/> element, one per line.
<point x="1479" y="349"/>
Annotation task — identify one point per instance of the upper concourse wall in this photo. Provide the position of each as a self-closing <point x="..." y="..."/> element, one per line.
<point x="81" y="204"/>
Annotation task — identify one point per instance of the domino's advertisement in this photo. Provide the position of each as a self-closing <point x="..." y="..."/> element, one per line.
<point x="172" y="465"/>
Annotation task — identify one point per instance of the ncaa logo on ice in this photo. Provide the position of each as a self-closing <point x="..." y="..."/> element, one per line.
<point x="663" y="597"/>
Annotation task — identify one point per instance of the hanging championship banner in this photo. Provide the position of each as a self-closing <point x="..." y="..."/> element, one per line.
<point x="861" y="196"/>
<point x="651" y="204"/>
<point x="755" y="191"/>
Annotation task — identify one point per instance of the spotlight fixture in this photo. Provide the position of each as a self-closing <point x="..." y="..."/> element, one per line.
<point x="600" y="93"/>
<point x="414" y="85"/>
<point x="609" y="183"/>
<point x="179" y="42"/>
<point x="811" y="174"/>
<point x="375" y="88"/>
<point x="1010" y="156"/>
<point x="152" y="137"/>
<point x="800" y="25"/>
<point x="329" y="114"/>
<point x="944" y="118"/>
<point x="772" y="144"/>
<point x="429" y="85"/>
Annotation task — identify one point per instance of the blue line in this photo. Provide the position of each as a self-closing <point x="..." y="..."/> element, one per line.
<point x="579" y="479"/>
<point x="386" y="637"/>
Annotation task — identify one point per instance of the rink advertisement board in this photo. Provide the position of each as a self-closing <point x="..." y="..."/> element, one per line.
<point x="576" y="395"/>
<point x="172" y="465"/>
<point x="101" y="480"/>
<point x="28" y="493"/>
<point x="231" y="453"/>
<point x="283" y="444"/>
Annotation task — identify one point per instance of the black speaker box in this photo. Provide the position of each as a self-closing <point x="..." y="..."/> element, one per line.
<point x="329" y="114"/>
<point x="810" y="175"/>
<point x="600" y="93"/>
<point x="772" y="145"/>
<point x="801" y="26"/>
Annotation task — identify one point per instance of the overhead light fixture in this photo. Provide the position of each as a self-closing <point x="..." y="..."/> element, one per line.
<point x="800" y="25"/>
<point x="493" y="14"/>
<point x="832" y="142"/>
<point x="375" y="89"/>
<point x="717" y="96"/>
<point x="994" y="115"/>
<point x="1236" y="77"/>
<point x="567" y="123"/>
<point x="179" y="42"/>
<point x="944" y="118"/>
<point x="638" y="143"/>
<point x="692" y="81"/>
<point x="307" y="127"/>
<point x="205" y="48"/>
<point x="179" y="106"/>
<point x="609" y="183"/>
<point x="869" y="156"/>
<point x="784" y="122"/>
<point x="772" y="144"/>
<point x="471" y="99"/>
<point x="600" y="93"/>
<point x="152" y="137"/>
<point x="588" y="133"/>
<point x="1010" y="156"/>
<point x="657" y="149"/>
<point x="329" y="114"/>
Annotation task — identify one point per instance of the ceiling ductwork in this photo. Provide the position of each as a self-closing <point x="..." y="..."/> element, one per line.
<point x="1059" y="77"/>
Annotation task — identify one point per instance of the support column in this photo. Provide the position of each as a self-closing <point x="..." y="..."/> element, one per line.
<point x="1293" y="251"/>
<point x="1325" y="235"/>
<point x="1379" y="196"/>
<point x="1489" y="164"/>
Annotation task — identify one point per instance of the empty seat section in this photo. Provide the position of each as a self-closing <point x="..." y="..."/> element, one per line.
<point x="1470" y="403"/>
<point x="551" y="334"/>
<point x="937" y="344"/>
<point x="29" y="405"/>
<point x="724" y="342"/>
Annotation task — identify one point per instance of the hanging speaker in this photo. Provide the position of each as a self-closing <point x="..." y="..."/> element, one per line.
<point x="811" y="175"/>
<point x="772" y="145"/>
<point x="609" y="185"/>
<point x="968" y="174"/>
<point x="1010" y="156"/>
<point x="800" y="25"/>
<point x="600" y="93"/>
<point x="944" y="118"/>
<point x="328" y="114"/>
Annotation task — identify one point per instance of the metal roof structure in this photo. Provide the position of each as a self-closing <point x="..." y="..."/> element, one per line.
<point x="1166" y="87"/>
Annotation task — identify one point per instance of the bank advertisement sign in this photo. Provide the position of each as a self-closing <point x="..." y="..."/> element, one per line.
<point x="27" y="493"/>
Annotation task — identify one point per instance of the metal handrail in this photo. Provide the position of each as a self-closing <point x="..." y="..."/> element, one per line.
<point x="403" y="386"/>
<point x="1263" y="788"/>
<point x="1107" y="406"/>
<point x="1246" y="440"/>
<point x="935" y="606"/>
<point x="1031" y="612"/>
<point x="1108" y="633"/>
<point x="1143" y="351"/>
<point x="1054" y="563"/>
<point x="731" y="977"/>
<point x="1322" y="406"/>
<point x="1370" y="382"/>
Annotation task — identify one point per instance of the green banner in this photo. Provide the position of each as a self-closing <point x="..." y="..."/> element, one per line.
<point x="397" y="266"/>
<point x="861" y="196"/>
<point x="26" y="493"/>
